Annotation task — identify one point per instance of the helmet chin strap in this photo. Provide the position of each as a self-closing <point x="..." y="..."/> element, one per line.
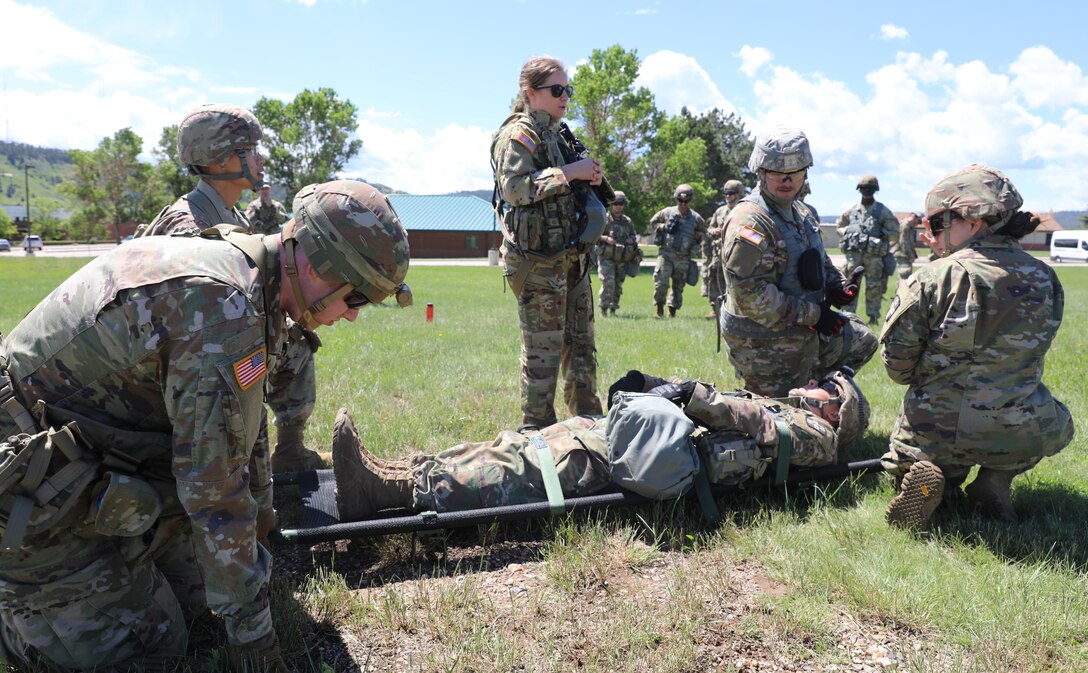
<point x="255" y="182"/>
<point x="306" y="319"/>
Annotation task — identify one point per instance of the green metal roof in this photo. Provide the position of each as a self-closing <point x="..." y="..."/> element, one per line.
<point x="444" y="212"/>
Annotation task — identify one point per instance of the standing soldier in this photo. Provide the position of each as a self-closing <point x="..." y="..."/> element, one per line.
<point x="869" y="236"/>
<point x="778" y="318"/>
<point x="677" y="230"/>
<point x="617" y="247"/>
<point x="127" y="504"/>
<point x="218" y="143"/>
<point x="265" y="214"/>
<point x="905" y="254"/>
<point x="713" y="273"/>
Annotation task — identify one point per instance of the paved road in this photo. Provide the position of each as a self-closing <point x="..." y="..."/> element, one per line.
<point x="96" y="249"/>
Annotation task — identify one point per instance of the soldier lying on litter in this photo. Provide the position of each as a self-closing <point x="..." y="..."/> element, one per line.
<point x="657" y="438"/>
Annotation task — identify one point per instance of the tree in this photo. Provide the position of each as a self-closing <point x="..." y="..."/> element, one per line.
<point x="727" y="145"/>
<point x="309" y="139"/>
<point x="112" y="185"/>
<point x="7" y="227"/>
<point x="616" y="121"/>
<point x="172" y="175"/>
<point x="675" y="158"/>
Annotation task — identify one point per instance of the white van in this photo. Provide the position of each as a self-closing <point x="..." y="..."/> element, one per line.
<point x="1069" y="246"/>
<point x="32" y="243"/>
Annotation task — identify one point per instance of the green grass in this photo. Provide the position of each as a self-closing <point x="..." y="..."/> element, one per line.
<point x="981" y="596"/>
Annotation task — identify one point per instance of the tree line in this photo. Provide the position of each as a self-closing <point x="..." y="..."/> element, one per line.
<point x="644" y="152"/>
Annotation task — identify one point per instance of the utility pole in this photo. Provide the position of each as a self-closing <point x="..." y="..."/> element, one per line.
<point x="26" y="176"/>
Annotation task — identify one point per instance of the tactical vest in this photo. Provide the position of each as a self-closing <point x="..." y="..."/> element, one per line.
<point x="798" y="237"/>
<point x="683" y="240"/>
<point x="545" y="228"/>
<point x="863" y="232"/>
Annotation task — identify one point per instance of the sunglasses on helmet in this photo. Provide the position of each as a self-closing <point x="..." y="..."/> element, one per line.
<point x="557" y="89"/>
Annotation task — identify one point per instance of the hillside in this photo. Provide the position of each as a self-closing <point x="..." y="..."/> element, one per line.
<point x="48" y="169"/>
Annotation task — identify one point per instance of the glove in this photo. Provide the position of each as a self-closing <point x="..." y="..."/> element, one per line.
<point x="830" y="322"/>
<point x="267" y="521"/>
<point x="677" y="393"/>
<point x="842" y="294"/>
<point x="262" y="654"/>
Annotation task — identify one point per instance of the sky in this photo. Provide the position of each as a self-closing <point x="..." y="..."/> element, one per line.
<point x="909" y="91"/>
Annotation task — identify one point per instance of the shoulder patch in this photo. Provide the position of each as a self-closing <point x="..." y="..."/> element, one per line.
<point x="526" y="140"/>
<point x="251" y="368"/>
<point x="751" y="235"/>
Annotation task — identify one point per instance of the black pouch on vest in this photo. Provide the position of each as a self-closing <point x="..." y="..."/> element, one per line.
<point x="810" y="269"/>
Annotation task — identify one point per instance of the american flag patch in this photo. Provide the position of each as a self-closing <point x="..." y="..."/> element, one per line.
<point x="751" y="235"/>
<point x="250" y="369"/>
<point x="524" y="139"/>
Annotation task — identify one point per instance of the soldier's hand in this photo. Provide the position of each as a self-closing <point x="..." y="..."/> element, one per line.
<point x="830" y="322"/>
<point x="633" y="381"/>
<point x="262" y="655"/>
<point x="267" y="521"/>
<point x="845" y="293"/>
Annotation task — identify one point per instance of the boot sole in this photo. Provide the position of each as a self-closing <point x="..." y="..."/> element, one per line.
<point x="920" y="494"/>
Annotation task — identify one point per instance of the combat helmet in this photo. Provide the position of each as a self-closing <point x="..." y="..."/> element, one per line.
<point x="733" y="186"/>
<point x="620" y="199"/>
<point x="684" y="192"/>
<point x="853" y="408"/>
<point x="780" y="149"/>
<point x="869" y="181"/>
<point x="211" y="133"/>
<point x="976" y="192"/>
<point x="350" y="234"/>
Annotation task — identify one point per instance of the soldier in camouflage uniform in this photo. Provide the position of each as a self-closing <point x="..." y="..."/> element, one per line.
<point x="548" y="274"/>
<point x="819" y="418"/>
<point x="778" y="317"/>
<point x="617" y="248"/>
<point x="159" y="353"/>
<point x="213" y="141"/>
<point x="905" y="254"/>
<point x="869" y="237"/>
<point x="969" y="333"/>
<point x="713" y="274"/>
<point x="264" y="213"/>
<point x="679" y="230"/>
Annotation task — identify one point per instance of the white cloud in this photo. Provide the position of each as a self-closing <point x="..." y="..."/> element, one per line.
<point x="753" y="58"/>
<point x="645" y="11"/>
<point x="677" y="80"/>
<point x="890" y="31"/>
<point x="450" y="159"/>
<point x="1044" y="80"/>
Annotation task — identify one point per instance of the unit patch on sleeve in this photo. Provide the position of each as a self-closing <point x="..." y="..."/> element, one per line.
<point x="251" y="368"/>
<point x="751" y="235"/>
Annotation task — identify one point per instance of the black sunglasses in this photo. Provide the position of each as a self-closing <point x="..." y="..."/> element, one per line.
<point x="941" y="221"/>
<point x="557" y="89"/>
<point x="356" y="299"/>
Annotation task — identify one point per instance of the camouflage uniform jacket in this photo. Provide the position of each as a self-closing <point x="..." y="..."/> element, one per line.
<point x="868" y="230"/>
<point x="757" y="262"/>
<point x="529" y="176"/>
<point x="691" y="232"/>
<point x="712" y="242"/>
<point x="266" y="219"/>
<point x="193" y="213"/>
<point x="968" y="334"/>
<point x="160" y="349"/>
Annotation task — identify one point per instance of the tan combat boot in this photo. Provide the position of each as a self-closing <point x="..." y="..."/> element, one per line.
<point x="919" y="494"/>
<point x="364" y="483"/>
<point x="991" y="493"/>
<point x="291" y="455"/>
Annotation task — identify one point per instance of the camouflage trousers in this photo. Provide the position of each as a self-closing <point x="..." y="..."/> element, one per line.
<point x="772" y="366"/>
<point x="713" y="281"/>
<point x="555" y="308"/>
<point x="506" y="471"/>
<point x="874" y="280"/>
<point x="292" y="388"/>
<point x="903" y="268"/>
<point x="671" y="268"/>
<point x="612" y="275"/>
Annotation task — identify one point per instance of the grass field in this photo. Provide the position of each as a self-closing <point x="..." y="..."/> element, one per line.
<point x="650" y="589"/>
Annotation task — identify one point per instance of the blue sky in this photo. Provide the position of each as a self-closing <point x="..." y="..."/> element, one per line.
<point x="908" y="91"/>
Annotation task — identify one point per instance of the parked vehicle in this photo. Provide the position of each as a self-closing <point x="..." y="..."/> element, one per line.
<point x="5" y="245"/>
<point x="1069" y="246"/>
<point x="32" y="243"/>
